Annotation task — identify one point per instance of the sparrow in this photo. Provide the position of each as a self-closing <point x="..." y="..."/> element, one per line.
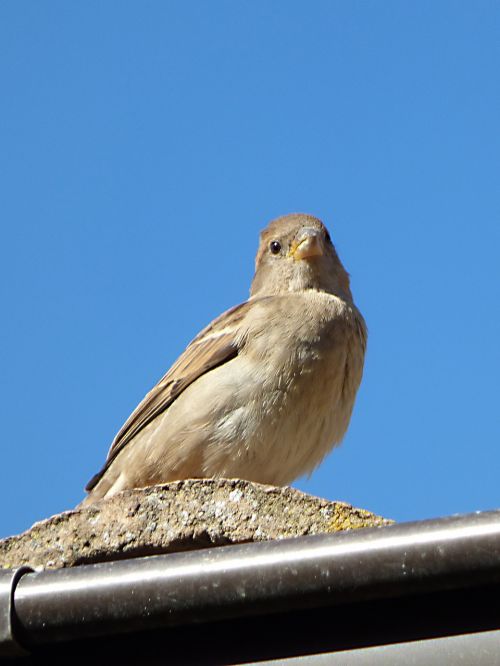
<point x="266" y="390"/>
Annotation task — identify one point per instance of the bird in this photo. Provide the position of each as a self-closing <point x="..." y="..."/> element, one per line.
<point x="266" y="390"/>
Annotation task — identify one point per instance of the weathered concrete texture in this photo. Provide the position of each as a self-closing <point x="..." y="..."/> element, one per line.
<point x="182" y="515"/>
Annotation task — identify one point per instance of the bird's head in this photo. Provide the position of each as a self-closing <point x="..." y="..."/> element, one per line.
<point x="296" y="253"/>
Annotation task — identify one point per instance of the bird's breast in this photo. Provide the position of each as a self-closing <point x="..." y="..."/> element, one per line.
<point x="302" y="382"/>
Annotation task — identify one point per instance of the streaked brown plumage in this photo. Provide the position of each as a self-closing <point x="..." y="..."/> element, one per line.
<point x="266" y="390"/>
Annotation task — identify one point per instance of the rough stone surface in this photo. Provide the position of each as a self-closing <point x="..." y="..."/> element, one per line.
<point x="183" y="515"/>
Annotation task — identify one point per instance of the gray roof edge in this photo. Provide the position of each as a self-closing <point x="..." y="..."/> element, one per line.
<point x="255" y="578"/>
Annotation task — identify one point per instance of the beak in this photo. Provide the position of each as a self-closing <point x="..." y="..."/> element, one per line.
<point x="308" y="244"/>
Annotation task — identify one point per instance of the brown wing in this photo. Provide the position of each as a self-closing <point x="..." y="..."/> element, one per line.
<point x="218" y="343"/>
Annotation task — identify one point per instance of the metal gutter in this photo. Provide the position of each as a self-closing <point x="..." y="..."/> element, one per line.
<point x="9" y="646"/>
<point x="258" y="578"/>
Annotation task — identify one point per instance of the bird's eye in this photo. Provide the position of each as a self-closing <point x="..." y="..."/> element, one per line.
<point x="275" y="247"/>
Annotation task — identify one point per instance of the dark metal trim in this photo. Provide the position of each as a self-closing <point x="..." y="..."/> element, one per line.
<point x="9" y="578"/>
<point x="259" y="578"/>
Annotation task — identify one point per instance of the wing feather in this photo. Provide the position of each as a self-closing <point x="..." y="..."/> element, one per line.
<point x="217" y="344"/>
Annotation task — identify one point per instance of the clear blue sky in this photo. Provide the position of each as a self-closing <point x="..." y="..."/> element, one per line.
<point x="143" y="147"/>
